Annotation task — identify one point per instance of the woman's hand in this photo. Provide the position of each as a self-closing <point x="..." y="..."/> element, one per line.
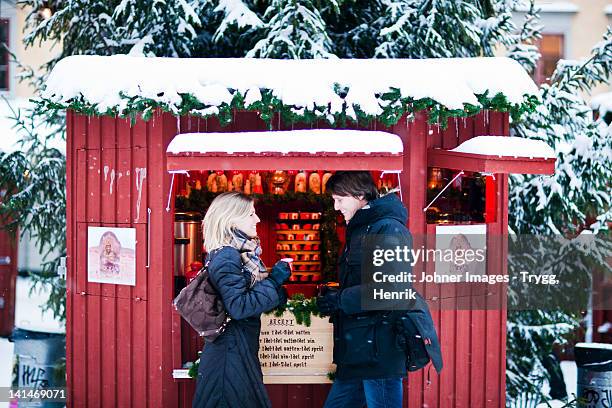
<point x="280" y="272"/>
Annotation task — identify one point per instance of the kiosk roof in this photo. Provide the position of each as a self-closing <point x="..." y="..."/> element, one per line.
<point x="108" y="82"/>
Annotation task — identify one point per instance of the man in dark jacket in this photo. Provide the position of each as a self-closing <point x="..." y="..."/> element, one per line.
<point x="370" y="360"/>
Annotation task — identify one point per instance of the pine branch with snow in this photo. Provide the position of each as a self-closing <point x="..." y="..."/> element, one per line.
<point x="442" y="29"/>
<point x="522" y="46"/>
<point x="295" y="30"/>
<point x="236" y="15"/>
<point x="156" y="28"/>
<point x="33" y="179"/>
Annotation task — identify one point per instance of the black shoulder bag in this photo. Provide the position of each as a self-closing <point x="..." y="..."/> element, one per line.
<point x="201" y="306"/>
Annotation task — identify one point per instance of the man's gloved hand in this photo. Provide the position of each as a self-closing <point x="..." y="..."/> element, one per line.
<point x="280" y="273"/>
<point x="282" y="296"/>
<point x="329" y="302"/>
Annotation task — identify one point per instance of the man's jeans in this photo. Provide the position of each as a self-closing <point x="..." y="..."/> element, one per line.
<point x="383" y="393"/>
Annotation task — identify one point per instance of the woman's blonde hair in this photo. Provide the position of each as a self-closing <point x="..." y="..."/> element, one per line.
<point x="221" y="216"/>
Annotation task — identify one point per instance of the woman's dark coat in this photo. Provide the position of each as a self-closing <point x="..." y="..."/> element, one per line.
<point x="230" y="373"/>
<point x="365" y="342"/>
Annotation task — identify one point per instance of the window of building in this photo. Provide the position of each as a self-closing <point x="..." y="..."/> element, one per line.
<point x="4" y="54"/>
<point x="551" y="47"/>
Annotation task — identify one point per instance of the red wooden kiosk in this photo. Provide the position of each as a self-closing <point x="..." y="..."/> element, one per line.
<point x="123" y="342"/>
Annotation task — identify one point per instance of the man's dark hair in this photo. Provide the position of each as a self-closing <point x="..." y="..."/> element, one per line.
<point x="352" y="183"/>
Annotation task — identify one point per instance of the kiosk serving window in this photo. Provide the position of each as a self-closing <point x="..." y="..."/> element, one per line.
<point x="286" y="173"/>
<point x="455" y="197"/>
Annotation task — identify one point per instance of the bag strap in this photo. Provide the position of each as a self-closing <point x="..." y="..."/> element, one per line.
<point x="208" y="260"/>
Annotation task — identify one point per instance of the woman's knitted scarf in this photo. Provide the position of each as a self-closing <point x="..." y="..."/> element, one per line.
<point x="250" y="252"/>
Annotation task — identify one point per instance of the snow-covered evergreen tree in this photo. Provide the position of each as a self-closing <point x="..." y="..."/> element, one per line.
<point x="574" y="199"/>
<point x="33" y="186"/>
<point x="577" y="196"/>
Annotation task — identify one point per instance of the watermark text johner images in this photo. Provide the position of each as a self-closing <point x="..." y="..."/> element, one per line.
<point x="477" y="272"/>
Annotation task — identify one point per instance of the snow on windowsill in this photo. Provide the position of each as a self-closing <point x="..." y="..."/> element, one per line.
<point x="505" y="146"/>
<point x="551" y="7"/>
<point x="310" y="141"/>
<point x="602" y="346"/>
<point x="299" y="83"/>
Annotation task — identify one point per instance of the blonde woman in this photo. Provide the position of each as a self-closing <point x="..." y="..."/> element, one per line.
<point x="230" y="373"/>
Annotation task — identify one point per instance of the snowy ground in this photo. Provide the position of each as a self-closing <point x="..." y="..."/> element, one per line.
<point x="27" y="316"/>
<point x="570" y="375"/>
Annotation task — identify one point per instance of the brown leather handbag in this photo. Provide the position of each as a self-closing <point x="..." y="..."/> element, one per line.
<point x="201" y="306"/>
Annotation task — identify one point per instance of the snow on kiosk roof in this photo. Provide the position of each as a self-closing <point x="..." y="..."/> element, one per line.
<point x="314" y="148"/>
<point x="497" y="154"/>
<point x="325" y="87"/>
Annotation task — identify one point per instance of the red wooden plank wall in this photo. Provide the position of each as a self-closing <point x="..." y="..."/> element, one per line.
<point x="119" y="337"/>
<point x="123" y="342"/>
<point x="473" y="341"/>
<point x="8" y="277"/>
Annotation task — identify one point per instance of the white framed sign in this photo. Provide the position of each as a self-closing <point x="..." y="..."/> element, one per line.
<point x="111" y="255"/>
<point x="461" y="251"/>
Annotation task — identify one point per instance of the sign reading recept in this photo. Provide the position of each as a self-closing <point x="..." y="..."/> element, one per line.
<point x="111" y="255"/>
<point x="292" y="353"/>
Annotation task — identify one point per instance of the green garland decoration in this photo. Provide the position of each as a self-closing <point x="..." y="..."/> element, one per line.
<point x="392" y="103"/>
<point x="302" y="308"/>
<point x="194" y="366"/>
